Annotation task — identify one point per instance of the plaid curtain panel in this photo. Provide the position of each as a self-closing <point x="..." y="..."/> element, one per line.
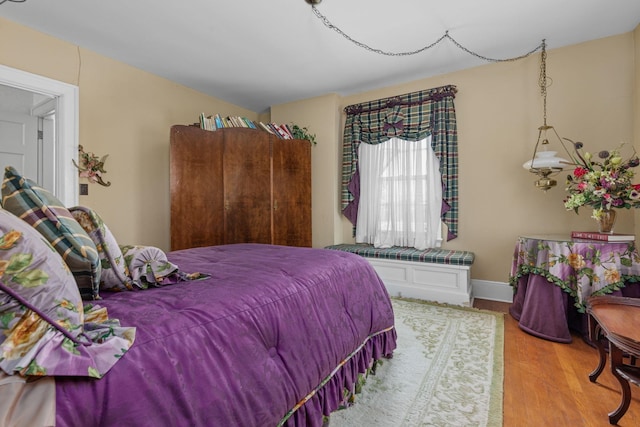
<point x="411" y="117"/>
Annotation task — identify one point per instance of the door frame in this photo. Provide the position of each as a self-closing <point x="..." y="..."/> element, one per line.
<point x="66" y="149"/>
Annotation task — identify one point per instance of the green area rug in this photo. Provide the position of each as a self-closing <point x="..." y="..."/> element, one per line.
<point x="448" y="370"/>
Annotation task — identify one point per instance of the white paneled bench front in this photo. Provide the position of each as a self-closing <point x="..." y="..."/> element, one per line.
<point x="432" y="274"/>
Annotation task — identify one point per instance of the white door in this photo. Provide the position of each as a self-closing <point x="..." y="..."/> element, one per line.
<point x="46" y="153"/>
<point x="19" y="144"/>
<point x="46" y="116"/>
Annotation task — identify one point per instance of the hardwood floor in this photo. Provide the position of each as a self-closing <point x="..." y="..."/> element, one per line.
<point x="547" y="383"/>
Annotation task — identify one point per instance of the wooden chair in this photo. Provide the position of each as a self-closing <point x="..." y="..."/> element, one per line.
<point x="616" y="320"/>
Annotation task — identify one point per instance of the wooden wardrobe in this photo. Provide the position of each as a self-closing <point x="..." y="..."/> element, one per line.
<point x="238" y="185"/>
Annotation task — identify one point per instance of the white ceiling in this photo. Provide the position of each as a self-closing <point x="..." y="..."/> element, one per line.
<point x="258" y="53"/>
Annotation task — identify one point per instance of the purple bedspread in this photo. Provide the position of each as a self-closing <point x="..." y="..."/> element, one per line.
<point x="241" y="348"/>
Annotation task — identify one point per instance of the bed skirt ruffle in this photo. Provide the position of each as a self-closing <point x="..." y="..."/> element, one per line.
<point x="340" y="384"/>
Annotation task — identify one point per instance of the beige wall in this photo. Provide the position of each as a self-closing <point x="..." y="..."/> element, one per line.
<point x="636" y="97"/>
<point x="499" y="110"/>
<point x="127" y="113"/>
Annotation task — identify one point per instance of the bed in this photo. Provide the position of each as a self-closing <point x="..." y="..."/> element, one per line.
<point x="271" y="327"/>
<point x="93" y="333"/>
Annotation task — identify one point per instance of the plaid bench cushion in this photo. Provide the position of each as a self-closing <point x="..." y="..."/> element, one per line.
<point x="433" y="255"/>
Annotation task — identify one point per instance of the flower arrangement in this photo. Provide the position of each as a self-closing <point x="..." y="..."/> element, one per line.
<point x="604" y="183"/>
<point x="91" y="167"/>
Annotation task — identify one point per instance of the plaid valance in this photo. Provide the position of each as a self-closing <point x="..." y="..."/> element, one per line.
<point x="411" y="117"/>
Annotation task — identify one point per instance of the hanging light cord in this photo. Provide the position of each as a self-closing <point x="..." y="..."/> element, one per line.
<point x="542" y="81"/>
<point x="12" y="1"/>
<point x="446" y="35"/>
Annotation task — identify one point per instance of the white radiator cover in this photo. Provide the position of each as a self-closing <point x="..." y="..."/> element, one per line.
<point x="444" y="283"/>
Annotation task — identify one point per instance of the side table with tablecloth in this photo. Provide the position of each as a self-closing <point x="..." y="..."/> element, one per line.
<point x="553" y="276"/>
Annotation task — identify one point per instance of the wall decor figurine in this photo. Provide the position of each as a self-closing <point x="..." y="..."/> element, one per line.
<point x="91" y="167"/>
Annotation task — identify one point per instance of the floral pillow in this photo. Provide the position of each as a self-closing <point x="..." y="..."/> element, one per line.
<point x="149" y="266"/>
<point x="115" y="274"/>
<point x="46" y="213"/>
<point x="44" y="328"/>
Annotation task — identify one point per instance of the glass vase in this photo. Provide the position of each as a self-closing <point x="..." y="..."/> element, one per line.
<point x="606" y="221"/>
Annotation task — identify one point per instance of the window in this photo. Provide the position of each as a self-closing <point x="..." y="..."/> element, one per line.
<point x="410" y="117"/>
<point x="400" y="194"/>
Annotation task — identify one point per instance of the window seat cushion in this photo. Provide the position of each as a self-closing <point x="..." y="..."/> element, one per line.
<point x="431" y="255"/>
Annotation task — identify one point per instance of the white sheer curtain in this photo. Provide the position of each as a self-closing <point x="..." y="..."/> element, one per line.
<point x="400" y="195"/>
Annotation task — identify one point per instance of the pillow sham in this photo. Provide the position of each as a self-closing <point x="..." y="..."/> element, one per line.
<point x="115" y="275"/>
<point x="42" y="318"/>
<point x="46" y="213"/>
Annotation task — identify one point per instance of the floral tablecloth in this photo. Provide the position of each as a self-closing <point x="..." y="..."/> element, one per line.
<point x="579" y="268"/>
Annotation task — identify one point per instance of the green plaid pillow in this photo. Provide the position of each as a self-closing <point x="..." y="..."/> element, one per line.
<point x="45" y="213"/>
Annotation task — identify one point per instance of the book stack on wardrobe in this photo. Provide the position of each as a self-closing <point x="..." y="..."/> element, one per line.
<point x="216" y="121"/>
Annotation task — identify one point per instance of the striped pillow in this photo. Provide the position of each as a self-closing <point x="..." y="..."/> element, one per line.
<point x="45" y="213"/>
<point x="115" y="274"/>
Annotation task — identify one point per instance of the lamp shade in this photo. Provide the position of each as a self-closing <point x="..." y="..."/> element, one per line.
<point x="546" y="160"/>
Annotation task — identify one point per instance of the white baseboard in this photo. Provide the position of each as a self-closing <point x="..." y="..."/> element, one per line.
<point x="492" y="291"/>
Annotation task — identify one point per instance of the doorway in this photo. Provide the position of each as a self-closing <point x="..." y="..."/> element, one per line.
<point x="56" y="115"/>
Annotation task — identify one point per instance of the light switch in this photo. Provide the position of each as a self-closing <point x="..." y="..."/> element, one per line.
<point x="84" y="189"/>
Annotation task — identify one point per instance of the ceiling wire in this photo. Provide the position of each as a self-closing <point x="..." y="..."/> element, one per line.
<point x="12" y="1"/>
<point x="445" y="36"/>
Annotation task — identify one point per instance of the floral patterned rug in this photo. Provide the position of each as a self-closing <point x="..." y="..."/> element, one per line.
<point x="448" y="370"/>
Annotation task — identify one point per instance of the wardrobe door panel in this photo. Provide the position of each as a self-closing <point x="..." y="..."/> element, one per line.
<point x="292" y="192"/>
<point x="247" y="176"/>
<point x="196" y="188"/>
